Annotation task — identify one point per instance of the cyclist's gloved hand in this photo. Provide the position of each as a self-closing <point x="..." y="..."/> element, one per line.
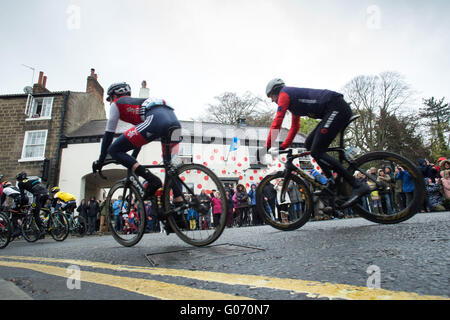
<point x="96" y="166"/>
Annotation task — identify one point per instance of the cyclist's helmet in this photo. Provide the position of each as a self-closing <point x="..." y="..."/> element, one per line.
<point x="21" y="176"/>
<point x="6" y="184"/>
<point x="119" y="89"/>
<point x="274" y="86"/>
<point x="55" y="189"/>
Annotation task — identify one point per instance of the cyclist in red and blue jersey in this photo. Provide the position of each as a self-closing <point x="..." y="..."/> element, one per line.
<point x="151" y="118"/>
<point x="334" y="112"/>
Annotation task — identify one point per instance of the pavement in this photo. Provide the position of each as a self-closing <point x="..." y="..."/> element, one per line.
<point x="9" y="291"/>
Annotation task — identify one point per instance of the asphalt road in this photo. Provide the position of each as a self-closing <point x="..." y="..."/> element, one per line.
<point x="336" y="259"/>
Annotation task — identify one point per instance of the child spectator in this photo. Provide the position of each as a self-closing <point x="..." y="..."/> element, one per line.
<point x="434" y="195"/>
<point x="192" y="217"/>
<point x="217" y="208"/>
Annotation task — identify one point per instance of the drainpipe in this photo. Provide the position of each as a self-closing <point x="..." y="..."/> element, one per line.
<point x="60" y="139"/>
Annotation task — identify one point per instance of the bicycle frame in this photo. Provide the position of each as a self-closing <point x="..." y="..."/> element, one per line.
<point x="290" y="168"/>
<point x="171" y="176"/>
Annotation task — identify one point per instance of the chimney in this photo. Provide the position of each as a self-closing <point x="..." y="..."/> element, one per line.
<point x="94" y="87"/>
<point x="41" y="75"/>
<point x="40" y="86"/>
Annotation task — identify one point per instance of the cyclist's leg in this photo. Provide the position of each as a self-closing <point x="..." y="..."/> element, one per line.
<point x="40" y="200"/>
<point x="118" y="151"/>
<point x="324" y="134"/>
<point x="130" y="140"/>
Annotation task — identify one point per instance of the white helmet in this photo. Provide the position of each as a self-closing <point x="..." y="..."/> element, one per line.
<point x="274" y="84"/>
<point x="119" y="89"/>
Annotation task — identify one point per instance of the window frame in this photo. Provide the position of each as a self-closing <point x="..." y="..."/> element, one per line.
<point x="25" y="144"/>
<point x="31" y="106"/>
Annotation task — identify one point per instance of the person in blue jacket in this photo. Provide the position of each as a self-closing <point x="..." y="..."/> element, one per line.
<point x="407" y="183"/>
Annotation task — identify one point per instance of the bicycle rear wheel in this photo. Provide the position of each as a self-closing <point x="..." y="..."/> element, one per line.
<point x="392" y="202"/>
<point x="126" y="214"/>
<point x="79" y="226"/>
<point x="200" y="223"/>
<point x="284" y="204"/>
<point x="5" y="230"/>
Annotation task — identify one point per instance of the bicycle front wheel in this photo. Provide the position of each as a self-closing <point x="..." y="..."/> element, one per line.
<point x="5" y="230"/>
<point x="126" y="214"/>
<point x="30" y="229"/>
<point x="285" y="204"/>
<point x="395" y="199"/>
<point x="59" y="226"/>
<point x="204" y="217"/>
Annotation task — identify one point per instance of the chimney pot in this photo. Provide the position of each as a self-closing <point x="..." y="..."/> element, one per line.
<point x="44" y="82"/>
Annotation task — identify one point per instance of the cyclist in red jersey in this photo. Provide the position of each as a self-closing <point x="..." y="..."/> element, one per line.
<point x="152" y="119"/>
<point x="334" y="112"/>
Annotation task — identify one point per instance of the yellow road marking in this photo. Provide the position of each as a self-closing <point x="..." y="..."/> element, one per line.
<point x="156" y="289"/>
<point x="311" y="288"/>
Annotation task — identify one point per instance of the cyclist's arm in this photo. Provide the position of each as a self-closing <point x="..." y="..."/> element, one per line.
<point x="283" y="106"/>
<point x="295" y="126"/>
<point x="110" y="130"/>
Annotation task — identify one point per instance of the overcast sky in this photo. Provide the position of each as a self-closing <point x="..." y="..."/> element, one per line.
<point x="190" y="51"/>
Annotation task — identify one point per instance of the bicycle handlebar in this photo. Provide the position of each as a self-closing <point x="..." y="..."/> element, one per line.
<point x="105" y="163"/>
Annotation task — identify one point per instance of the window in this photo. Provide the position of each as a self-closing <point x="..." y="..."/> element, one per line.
<point x="252" y="153"/>
<point x="34" y="145"/>
<point x="39" y="108"/>
<point x="185" y="150"/>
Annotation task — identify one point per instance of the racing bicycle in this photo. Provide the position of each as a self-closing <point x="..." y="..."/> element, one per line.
<point x="297" y="193"/>
<point x="77" y="225"/>
<point x="55" y="223"/>
<point x="129" y="206"/>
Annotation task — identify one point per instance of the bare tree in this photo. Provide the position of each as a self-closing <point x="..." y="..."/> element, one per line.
<point x="376" y="98"/>
<point x="230" y="108"/>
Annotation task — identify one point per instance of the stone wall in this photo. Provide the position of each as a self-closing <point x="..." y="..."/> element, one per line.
<point x="14" y="123"/>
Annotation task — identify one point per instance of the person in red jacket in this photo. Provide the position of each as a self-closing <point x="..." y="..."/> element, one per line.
<point x="334" y="112"/>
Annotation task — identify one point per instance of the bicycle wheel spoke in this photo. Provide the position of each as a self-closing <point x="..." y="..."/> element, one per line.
<point x="5" y="231"/>
<point x="397" y="185"/>
<point x="204" y="213"/>
<point x="126" y="214"/>
<point x="284" y="204"/>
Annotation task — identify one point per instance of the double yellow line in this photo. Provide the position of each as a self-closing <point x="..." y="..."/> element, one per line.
<point x="170" y="291"/>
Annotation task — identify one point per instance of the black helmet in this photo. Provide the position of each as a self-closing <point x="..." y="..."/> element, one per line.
<point x="120" y="89"/>
<point x="21" y="176"/>
<point x="274" y="85"/>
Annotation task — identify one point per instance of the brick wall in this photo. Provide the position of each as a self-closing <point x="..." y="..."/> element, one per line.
<point x="81" y="108"/>
<point x="13" y="126"/>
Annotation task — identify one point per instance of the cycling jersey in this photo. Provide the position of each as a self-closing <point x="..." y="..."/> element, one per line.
<point x="300" y="102"/>
<point x="13" y="193"/>
<point x="34" y="186"/>
<point x="131" y="110"/>
<point x="64" y="196"/>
